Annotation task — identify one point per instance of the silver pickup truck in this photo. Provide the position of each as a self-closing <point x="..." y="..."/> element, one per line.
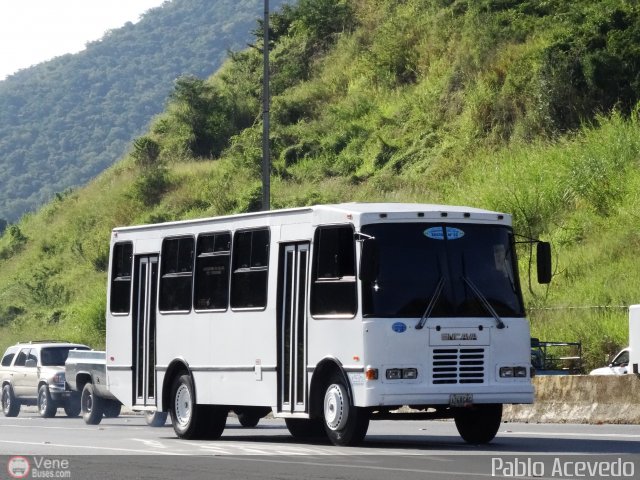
<point x="86" y="372"/>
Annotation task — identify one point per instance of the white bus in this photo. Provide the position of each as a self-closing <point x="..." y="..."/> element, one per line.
<point x="327" y="316"/>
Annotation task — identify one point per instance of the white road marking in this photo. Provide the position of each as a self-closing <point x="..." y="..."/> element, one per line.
<point x="215" y="450"/>
<point x="49" y="428"/>
<point x="150" y="443"/>
<point x="112" y="449"/>
<point x="360" y="466"/>
<point x="570" y="434"/>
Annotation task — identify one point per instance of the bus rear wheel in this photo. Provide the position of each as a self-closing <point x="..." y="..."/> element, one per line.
<point x="478" y="424"/>
<point x="190" y="420"/>
<point x="155" y="419"/>
<point x="344" y="423"/>
<point x="248" y="420"/>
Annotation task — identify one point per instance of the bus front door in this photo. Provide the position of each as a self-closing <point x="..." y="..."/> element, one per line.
<point x="144" y="331"/>
<point x="292" y="328"/>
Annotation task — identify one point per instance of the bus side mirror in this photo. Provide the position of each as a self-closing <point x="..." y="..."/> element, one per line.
<point x="543" y="254"/>
<point x="369" y="261"/>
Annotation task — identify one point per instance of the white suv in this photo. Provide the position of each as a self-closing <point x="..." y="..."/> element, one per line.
<point x="33" y="374"/>
<point x="619" y="365"/>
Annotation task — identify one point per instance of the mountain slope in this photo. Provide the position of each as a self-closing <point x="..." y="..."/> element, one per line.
<point x="64" y="121"/>
<point x="513" y="105"/>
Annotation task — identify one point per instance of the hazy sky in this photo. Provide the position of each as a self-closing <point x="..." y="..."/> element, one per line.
<point x="32" y="31"/>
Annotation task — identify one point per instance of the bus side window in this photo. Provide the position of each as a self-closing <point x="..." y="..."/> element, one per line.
<point x="122" y="261"/>
<point x="333" y="289"/>
<point x="213" y="255"/>
<point x="177" y="274"/>
<point x="250" y="269"/>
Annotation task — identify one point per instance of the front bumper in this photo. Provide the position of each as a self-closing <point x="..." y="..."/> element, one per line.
<point x="384" y="395"/>
<point x="58" y="392"/>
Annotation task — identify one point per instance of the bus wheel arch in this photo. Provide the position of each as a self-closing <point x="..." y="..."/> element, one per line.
<point x="175" y="369"/>
<point x="332" y="401"/>
<point x="323" y="372"/>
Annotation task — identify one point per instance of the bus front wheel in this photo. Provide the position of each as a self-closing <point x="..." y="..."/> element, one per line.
<point x="344" y="423"/>
<point x="190" y="420"/>
<point x="304" y="429"/>
<point x="478" y="424"/>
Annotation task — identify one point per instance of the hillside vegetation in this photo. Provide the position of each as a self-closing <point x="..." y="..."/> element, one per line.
<point x="519" y="106"/>
<point x="64" y="121"/>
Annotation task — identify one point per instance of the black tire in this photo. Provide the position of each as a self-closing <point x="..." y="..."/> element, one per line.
<point x="92" y="405"/>
<point x="190" y="420"/>
<point x="10" y="404"/>
<point x="304" y="429"/>
<point x="72" y="405"/>
<point x="112" y="409"/>
<point x="344" y="423"/>
<point x="47" y="408"/>
<point x="156" y="419"/>
<point x="248" y="420"/>
<point x="478" y="424"/>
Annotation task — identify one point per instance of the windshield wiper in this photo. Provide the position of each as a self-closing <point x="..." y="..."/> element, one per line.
<point x="432" y="304"/>
<point x="484" y="301"/>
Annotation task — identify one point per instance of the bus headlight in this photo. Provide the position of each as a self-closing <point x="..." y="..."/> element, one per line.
<point x="506" y="372"/>
<point x="513" y="372"/>
<point x="410" y="373"/>
<point x="401" y="373"/>
<point x="520" y="372"/>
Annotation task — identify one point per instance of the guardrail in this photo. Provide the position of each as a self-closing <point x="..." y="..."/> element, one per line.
<point x="581" y="399"/>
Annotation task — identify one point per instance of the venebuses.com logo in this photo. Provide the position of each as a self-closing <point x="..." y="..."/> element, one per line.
<point x="18" y="467"/>
<point x="38" y="467"/>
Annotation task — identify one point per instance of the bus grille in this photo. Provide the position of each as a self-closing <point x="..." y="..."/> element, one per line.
<point x="458" y="365"/>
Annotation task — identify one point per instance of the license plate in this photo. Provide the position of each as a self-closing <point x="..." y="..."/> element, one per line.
<point x="460" y="399"/>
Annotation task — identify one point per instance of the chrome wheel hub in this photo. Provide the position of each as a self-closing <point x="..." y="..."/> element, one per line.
<point x="43" y="402"/>
<point x="336" y="407"/>
<point x="183" y="405"/>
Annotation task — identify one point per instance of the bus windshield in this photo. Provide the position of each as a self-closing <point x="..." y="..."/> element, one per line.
<point x="450" y="270"/>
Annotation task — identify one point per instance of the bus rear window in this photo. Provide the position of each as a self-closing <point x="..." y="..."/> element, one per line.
<point x="120" y="301"/>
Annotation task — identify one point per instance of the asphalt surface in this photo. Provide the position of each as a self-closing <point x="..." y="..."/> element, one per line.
<point x="126" y="447"/>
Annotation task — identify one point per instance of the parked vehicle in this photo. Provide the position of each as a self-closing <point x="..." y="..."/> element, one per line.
<point x="628" y="359"/>
<point x="33" y="374"/>
<point x="556" y="358"/>
<point x="618" y="366"/>
<point x="86" y="374"/>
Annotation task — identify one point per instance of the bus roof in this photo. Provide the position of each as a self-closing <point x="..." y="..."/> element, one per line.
<point x="351" y="211"/>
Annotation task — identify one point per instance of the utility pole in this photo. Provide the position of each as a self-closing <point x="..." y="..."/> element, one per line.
<point x="266" y="155"/>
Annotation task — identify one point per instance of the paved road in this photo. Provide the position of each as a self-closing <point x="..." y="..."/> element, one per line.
<point x="126" y="448"/>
